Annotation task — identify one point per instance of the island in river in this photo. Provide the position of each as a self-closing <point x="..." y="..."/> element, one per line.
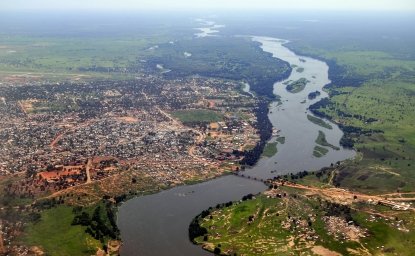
<point x="95" y="120"/>
<point x="158" y="224"/>
<point x="304" y="212"/>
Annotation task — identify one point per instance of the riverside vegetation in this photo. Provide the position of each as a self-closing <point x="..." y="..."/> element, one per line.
<point x="371" y="99"/>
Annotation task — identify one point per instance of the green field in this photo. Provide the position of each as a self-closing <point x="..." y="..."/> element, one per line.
<point x="388" y="161"/>
<point x="319" y="121"/>
<point x="383" y="101"/>
<point x="56" y="236"/>
<point x="197" y="115"/>
<point x="59" y="57"/>
<point x="270" y="149"/>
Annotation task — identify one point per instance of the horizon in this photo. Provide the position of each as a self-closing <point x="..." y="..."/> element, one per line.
<point x="204" y="5"/>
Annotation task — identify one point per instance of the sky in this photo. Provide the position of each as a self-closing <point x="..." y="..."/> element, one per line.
<point x="355" y="5"/>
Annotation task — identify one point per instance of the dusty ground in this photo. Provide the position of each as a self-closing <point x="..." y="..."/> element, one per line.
<point x="320" y="250"/>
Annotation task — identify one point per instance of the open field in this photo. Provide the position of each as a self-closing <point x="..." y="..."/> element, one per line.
<point x="49" y="57"/>
<point x="390" y="108"/>
<point x="372" y="91"/>
<point x="197" y="115"/>
<point x="56" y="236"/>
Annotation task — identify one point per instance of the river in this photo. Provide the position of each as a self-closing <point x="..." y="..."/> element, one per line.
<point x="158" y="224"/>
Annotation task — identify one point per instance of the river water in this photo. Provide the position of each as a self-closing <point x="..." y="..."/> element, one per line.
<point x="158" y="224"/>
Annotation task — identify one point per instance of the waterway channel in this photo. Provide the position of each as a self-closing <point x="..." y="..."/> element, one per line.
<point x="158" y="224"/>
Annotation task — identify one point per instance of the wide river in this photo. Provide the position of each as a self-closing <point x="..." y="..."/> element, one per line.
<point x="158" y="224"/>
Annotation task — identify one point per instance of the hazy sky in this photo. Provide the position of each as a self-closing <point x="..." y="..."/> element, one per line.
<point x="210" y="4"/>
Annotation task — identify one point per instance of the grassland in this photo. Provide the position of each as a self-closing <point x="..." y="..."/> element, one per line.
<point x="297" y="86"/>
<point x="56" y="236"/>
<point x="373" y="90"/>
<point x="319" y="121"/>
<point x="388" y="161"/>
<point x="270" y="149"/>
<point x="59" y="58"/>
<point x="197" y="115"/>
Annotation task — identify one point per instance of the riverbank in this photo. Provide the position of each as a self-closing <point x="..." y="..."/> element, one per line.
<point x="158" y="224"/>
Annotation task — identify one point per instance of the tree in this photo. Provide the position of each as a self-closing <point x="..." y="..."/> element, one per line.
<point x="217" y="251"/>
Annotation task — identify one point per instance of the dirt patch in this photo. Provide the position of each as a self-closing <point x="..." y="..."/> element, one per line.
<point x="320" y="250"/>
<point x="342" y="230"/>
<point x="127" y="119"/>
<point x="290" y="241"/>
<point x="384" y="169"/>
<point x="37" y="251"/>
<point x="27" y="105"/>
<point x="114" y="247"/>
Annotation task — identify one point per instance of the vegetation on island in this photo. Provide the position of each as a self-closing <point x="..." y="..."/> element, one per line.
<point x="281" y="139"/>
<point x="300" y="70"/>
<point x="321" y="140"/>
<point x="313" y="95"/>
<point x="319" y="121"/>
<point x="270" y="149"/>
<point x="319" y="151"/>
<point x="371" y="99"/>
<point x="297" y="86"/>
